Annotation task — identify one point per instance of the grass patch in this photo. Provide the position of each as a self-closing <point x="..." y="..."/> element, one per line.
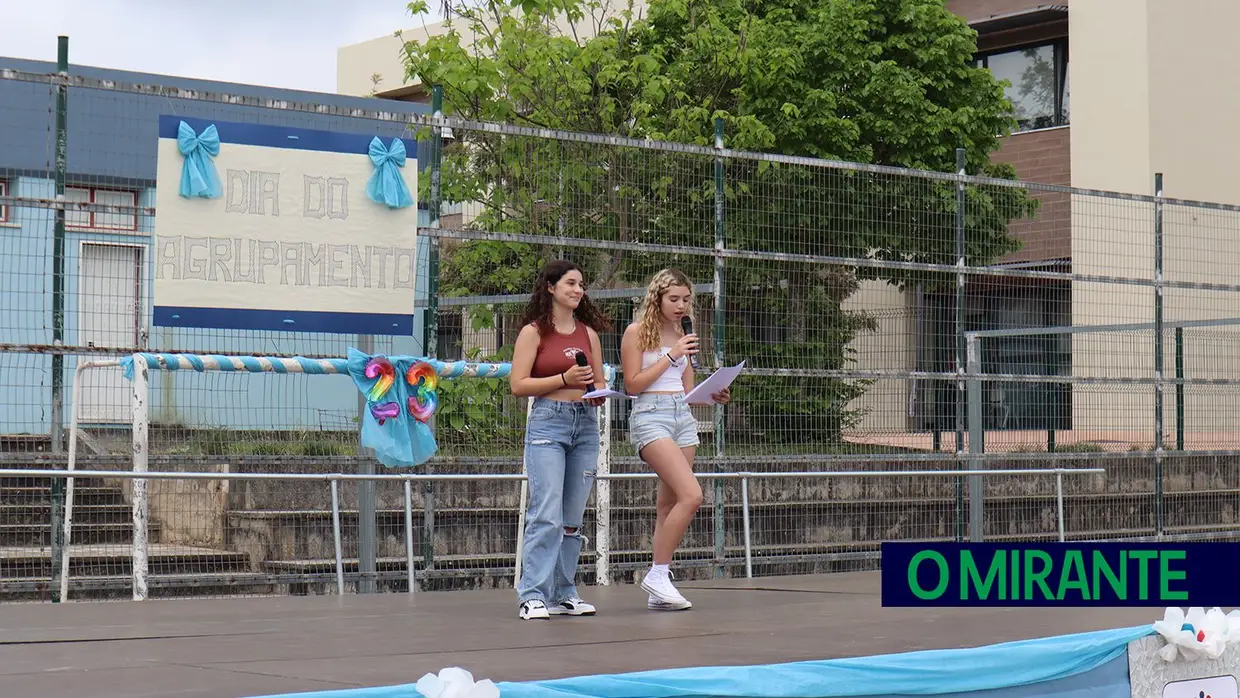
<point x="225" y="442"/>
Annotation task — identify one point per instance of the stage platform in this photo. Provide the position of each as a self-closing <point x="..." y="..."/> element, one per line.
<point x="222" y="648"/>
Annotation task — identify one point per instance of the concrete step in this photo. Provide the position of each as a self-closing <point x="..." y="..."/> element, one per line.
<point x="25" y="443"/>
<point x="23" y="481"/>
<point x="120" y="587"/>
<point x="25" y="562"/>
<point x="36" y="534"/>
<point x="42" y="493"/>
<point x="84" y="515"/>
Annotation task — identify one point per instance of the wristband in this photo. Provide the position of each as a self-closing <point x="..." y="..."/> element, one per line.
<point x="563" y="379"/>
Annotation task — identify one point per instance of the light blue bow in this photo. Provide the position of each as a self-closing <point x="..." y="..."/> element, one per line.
<point x="386" y="186"/>
<point x="198" y="176"/>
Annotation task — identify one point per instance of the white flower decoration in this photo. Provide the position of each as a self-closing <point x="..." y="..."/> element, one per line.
<point x="1197" y="634"/>
<point x="455" y="682"/>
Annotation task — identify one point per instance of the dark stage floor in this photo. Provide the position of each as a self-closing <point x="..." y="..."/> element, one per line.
<point x="249" y="647"/>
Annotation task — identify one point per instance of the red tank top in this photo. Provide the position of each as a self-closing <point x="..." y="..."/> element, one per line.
<point x="557" y="352"/>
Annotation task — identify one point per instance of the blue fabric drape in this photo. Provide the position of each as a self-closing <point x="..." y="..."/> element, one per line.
<point x="1066" y="666"/>
<point x="386" y="185"/>
<point x="198" y="175"/>
<point x="389" y="425"/>
<point x="930" y="672"/>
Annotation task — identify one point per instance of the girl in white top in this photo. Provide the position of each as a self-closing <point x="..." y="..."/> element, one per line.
<point x="655" y="356"/>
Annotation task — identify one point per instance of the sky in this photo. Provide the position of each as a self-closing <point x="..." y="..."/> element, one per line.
<point x="279" y="43"/>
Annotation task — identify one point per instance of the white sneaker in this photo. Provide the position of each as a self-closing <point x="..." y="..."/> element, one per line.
<point x="663" y="595"/>
<point x="533" y="609"/>
<point x="655" y="604"/>
<point x="571" y="607"/>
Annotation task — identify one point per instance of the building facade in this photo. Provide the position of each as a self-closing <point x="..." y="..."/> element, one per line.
<point x="111" y="159"/>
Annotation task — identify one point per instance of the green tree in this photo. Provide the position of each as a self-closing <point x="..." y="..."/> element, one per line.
<point x="886" y="82"/>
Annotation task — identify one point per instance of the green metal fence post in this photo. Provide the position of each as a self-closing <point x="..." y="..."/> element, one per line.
<point x="960" y="347"/>
<point x="430" y="324"/>
<point x="1179" y="389"/>
<point x="720" y="531"/>
<point x="367" y="555"/>
<point x="58" y="305"/>
<point x="1158" y="354"/>
<point x="430" y="328"/>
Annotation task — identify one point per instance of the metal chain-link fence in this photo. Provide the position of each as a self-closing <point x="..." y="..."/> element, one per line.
<point x="890" y="320"/>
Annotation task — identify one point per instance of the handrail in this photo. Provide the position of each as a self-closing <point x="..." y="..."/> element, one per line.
<point x="444" y="477"/>
<point x="334" y="479"/>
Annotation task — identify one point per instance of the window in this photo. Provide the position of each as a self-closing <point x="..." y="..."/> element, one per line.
<point x="450" y="335"/>
<point x="98" y="220"/>
<point x="4" y="208"/>
<point x="1039" y="82"/>
<point x="1006" y="405"/>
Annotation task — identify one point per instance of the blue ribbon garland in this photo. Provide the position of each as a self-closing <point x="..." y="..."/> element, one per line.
<point x="198" y="175"/>
<point x="386" y="185"/>
<point x="398" y="438"/>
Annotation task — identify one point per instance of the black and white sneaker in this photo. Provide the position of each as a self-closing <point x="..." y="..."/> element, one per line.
<point x="534" y="609"/>
<point x="571" y="607"/>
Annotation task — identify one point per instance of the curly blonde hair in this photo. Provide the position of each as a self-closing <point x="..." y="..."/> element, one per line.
<point x="649" y="316"/>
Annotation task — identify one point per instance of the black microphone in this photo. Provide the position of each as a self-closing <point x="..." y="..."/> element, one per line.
<point x="686" y="324"/>
<point x="581" y="359"/>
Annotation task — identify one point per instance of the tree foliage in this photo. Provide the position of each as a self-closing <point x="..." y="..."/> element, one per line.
<point x="885" y="82"/>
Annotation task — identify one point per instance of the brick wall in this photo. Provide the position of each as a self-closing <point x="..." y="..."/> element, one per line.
<point x="1038" y="156"/>
<point x="1044" y="157"/>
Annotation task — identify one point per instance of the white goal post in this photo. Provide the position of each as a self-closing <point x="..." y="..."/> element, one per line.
<point x="137" y="368"/>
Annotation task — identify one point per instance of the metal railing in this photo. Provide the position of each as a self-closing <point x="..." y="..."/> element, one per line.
<point x="139" y="552"/>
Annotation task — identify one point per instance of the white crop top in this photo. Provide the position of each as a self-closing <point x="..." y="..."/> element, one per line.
<point x="672" y="380"/>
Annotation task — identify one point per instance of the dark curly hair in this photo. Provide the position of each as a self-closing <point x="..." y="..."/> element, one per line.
<point x="538" y="311"/>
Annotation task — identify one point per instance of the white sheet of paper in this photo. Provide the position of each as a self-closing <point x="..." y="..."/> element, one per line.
<point x="700" y="395"/>
<point x="606" y="393"/>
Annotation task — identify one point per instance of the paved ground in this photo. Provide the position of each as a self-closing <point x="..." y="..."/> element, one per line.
<point x="248" y="647"/>
<point x="999" y="441"/>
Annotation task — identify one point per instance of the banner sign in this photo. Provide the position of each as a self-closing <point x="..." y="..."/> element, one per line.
<point x="274" y="228"/>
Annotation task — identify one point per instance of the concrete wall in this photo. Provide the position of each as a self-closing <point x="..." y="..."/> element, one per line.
<point x="1155" y="91"/>
<point x="892" y="347"/>
<point x="357" y="63"/>
<point x="189" y="512"/>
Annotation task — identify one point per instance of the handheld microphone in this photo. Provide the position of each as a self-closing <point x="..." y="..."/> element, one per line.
<point x="581" y="359"/>
<point x="686" y="324"/>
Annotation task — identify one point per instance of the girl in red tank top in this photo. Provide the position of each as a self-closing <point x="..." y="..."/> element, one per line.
<point x="558" y="352"/>
<point x="561" y="435"/>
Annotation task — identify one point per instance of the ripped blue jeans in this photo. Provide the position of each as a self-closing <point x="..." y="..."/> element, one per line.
<point x="561" y="457"/>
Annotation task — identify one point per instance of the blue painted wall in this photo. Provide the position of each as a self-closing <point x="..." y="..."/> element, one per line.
<point x="112" y="138"/>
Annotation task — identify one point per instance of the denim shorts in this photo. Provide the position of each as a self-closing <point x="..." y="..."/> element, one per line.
<point x="657" y="417"/>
